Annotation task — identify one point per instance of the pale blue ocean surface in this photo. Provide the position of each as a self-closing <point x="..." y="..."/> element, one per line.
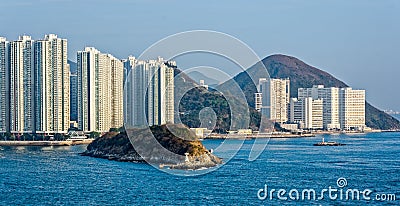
<point x="59" y="176"/>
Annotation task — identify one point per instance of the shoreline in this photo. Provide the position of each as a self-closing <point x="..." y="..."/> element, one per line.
<point x="282" y="136"/>
<point x="258" y="136"/>
<point x="46" y="143"/>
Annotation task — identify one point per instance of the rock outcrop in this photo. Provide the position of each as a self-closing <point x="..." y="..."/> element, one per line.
<point x="184" y="153"/>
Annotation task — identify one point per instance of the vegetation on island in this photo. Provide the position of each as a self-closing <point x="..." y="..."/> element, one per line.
<point x="139" y="147"/>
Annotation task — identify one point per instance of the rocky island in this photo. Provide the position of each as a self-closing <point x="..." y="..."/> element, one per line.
<point x="176" y="152"/>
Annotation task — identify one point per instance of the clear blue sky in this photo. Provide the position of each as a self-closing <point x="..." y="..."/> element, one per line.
<point x="356" y="41"/>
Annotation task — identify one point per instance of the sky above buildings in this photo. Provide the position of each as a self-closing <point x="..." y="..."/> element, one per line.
<point x="357" y="41"/>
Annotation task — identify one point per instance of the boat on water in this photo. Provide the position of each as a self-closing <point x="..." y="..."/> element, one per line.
<point x="323" y="143"/>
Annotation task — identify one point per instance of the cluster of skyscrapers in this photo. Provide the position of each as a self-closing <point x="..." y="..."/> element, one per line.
<point x="149" y="92"/>
<point x="314" y="108"/>
<point x="102" y="103"/>
<point x="34" y="84"/>
<point x="39" y="94"/>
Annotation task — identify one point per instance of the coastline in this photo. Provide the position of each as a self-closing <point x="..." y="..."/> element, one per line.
<point x="46" y="143"/>
<point x="355" y="132"/>
<point x="257" y="136"/>
<point x="283" y="135"/>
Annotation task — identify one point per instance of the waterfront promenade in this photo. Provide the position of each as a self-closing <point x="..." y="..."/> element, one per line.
<point x="46" y="143"/>
<point x="255" y="136"/>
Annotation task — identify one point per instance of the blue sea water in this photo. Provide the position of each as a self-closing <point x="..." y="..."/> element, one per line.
<point x="59" y="176"/>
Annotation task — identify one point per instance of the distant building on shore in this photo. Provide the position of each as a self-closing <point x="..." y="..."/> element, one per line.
<point x="100" y="91"/>
<point x="20" y="60"/>
<point x="272" y="99"/>
<point x="74" y="97"/>
<point x="34" y="84"/>
<point x="202" y="84"/>
<point x="3" y="86"/>
<point x="258" y="101"/>
<point x="51" y="85"/>
<point x="352" y="108"/>
<point x="343" y="108"/>
<point x="330" y="97"/>
<point x="308" y="113"/>
<point x="149" y="92"/>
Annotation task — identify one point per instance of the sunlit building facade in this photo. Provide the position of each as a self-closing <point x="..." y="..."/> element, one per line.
<point x="308" y="113"/>
<point x="352" y="109"/>
<point x="272" y="99"/>
<point x="20" y="64"/>
<point x="330" y="97"/>
<point x="51" y="85"/>
<point x="100" y="89"/>
<point x="343" y="108"/>
<point x="3" y="85"/>
<point x="149" y="92"/>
